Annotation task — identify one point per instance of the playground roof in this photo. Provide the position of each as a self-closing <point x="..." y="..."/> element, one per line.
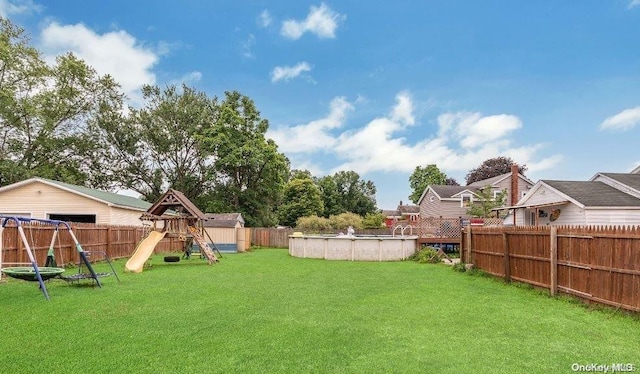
<point x="109" y="198"/>
<point x="176" y="201"/>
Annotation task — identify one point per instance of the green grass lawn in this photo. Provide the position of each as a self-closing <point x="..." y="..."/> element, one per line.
<point x="266" y="312"/>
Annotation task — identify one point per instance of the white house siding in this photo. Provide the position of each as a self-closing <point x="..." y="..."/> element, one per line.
<point x="612" y="216"/>
<point x="544" y="196"/>
<point x="120" y="216"/>
<point x="41" y="200"/>
<point x="570" y="214"/>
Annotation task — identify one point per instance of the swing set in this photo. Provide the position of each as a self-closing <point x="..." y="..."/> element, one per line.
<point x="50" y="270"/>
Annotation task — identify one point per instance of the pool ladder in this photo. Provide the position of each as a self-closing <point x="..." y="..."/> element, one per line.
<point x="402" y="228"/>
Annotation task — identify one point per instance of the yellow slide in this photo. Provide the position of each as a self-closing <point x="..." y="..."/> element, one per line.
<point x="143" y="251"/>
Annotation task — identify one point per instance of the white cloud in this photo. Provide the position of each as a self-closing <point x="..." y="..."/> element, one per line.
<point x="634" y="3"/>
<point x="8" y="8"/>
<point x="289" y="72"/>
<point x="625" y="120"/>
<point x="315" y="135"/>
<point x="247" y="46"/>
<point x="321" y="21"/>
<point x="403" y="111"/>
<point x="393" y="143"/>
<point x="189" y="79"/>
<point x="116" y="53"/>
<point x="264" y="19"/>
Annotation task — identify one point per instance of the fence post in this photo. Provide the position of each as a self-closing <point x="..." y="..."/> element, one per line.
<point x="507" y="263"/>
<point x="553" y="287"/>
<point x="469" y="252"/>
<point x="108" y="249"/>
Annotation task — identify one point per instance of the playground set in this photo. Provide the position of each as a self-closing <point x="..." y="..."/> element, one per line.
<point x="173" y="216"/>
<point x="31" y="271"/>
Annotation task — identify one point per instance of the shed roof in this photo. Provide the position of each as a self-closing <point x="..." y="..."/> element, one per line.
<point x="109" y="198"/>
<point x="223" y="220"/>
<point x="631" y="180"/>
<point x="593" y="194"/>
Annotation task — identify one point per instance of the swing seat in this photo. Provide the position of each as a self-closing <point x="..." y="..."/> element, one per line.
<point x="28" y="273"/>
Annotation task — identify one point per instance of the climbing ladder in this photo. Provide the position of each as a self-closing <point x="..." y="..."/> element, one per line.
<point x="204" y="246"/>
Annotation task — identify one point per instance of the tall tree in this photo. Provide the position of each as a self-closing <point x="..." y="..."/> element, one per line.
<point x="159" y="146"/>
<point x="331" y="199"/>
<point x="302" y="198"/>
<point x="355" y="195"/>
<point x="423" y="177"/>
<point x="491" y="168"/>
<point x="48" y="114"/>
<point x="250" y="173"/>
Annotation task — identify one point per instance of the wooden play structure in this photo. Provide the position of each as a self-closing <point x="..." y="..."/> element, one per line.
<point x="173" y="216"/>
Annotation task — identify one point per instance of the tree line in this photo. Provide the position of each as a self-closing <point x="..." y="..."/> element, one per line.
<point x="66" y="122"/>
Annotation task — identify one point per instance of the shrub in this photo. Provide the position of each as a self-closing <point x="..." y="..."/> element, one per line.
<point x="344" y="220"/>
<point x="313" y="224"/>
<point x="426" y="255"/>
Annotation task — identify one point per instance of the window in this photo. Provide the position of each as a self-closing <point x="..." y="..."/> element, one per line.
<point x="83" y="218"/>
<point x="496" y="194"/>
<point x="466" y="200"/>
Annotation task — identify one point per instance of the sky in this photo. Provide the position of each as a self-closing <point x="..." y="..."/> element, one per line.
<point x="382" y="87"/>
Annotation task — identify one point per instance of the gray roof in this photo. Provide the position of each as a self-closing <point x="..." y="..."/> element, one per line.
<point x="594" y="194"/>
<point x="223" y="220"/>
<point x="448" y="191"/>
<point x="631" y="180"/>
<point x="108" y="197"/>
<point x="408" y="209"/>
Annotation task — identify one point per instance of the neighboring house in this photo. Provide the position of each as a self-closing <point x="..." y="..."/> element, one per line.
<point x="441" y="201"/>
<point x="606" y="199"/>
<point x="402" y="215"/>
<point x="49" y="199"/>
<point x="226" y="230"/>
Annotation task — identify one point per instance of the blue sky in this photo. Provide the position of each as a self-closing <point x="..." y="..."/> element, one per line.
<point x="382" y="87"/>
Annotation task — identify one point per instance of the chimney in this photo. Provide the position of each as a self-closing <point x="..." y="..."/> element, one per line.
<point x="514" y="184"/>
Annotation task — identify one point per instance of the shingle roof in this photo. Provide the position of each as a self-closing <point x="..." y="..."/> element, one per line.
<point x="448" y="191"/>
<point x="223" y="219"/>
<point x="408" y="209"/>
<point x="107" y="197"/>
<point x="594" y="194"/>
<point x="631" y="180"/>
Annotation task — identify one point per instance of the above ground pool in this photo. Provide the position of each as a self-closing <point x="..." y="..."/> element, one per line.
<point x="352" y="248"/>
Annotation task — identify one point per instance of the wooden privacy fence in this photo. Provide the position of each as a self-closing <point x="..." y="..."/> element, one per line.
<point x="599" y="264"/>
<point x="115" y="241"/>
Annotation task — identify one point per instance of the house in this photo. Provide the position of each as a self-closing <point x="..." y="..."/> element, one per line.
<point x="49" y="199"/>
<point x="226" y="230"/>
<point x="452" y="202"/>
<point x="605" y="199"/>
<point x="402" y="215"/>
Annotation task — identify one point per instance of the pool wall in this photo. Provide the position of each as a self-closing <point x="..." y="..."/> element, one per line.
<point x="353" y="248"/>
